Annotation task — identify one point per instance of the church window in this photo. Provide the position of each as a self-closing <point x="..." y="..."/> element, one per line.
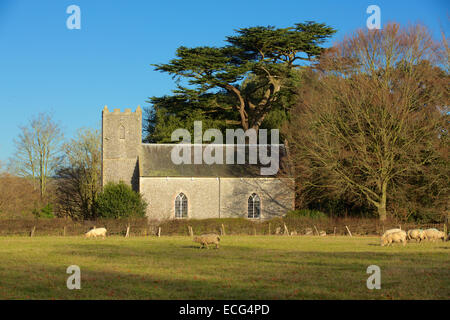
<point x="122" y="132"/>
<point x="181" y="206"/>
<point x="254" y="206"/>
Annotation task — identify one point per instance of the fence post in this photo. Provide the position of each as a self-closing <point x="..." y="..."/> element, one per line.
<point x="150" y="230"/>
<point x="348" y="231"/>
<point x="32" y="231"/>
<point x="191" y="231"/>
<point x="128" y="231"/>
<point x="286" y="231"/>
<point x="269" y="229"/>
<point x="334" y="232"/>
<point x="64" y="231"/>
<point x="159" y="232"/>
<point x="223" y="229"/>
<point x="317" y="231"/>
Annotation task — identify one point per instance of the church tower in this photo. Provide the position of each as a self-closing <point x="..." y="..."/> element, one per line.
<point x="121" y="143"/>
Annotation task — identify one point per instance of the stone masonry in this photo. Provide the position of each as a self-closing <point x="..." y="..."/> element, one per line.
<point x="210" y="193"/>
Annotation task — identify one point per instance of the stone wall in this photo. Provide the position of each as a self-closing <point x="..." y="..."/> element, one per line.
<point x="277" y="196"/>
<point x="204" y="195"/>
<point x="208" y="197"/>
<point x="160" y="194"/>
<point x="121" y="143"/>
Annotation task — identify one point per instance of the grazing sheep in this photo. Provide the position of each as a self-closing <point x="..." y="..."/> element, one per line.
<point x="392" y="230"/>
<point x="417" y="234"/>
<point x="206" y="239"/>
<point x="322" y="233"/>
<point x="434" y="234"/>
<point x="96" y="232"/>
<point x="391" y="237"/>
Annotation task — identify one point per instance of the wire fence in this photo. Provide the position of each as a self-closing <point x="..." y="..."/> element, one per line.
<point x="229" y="226"/>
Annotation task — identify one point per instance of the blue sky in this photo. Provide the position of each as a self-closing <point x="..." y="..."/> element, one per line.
<point x="45" y="67"/>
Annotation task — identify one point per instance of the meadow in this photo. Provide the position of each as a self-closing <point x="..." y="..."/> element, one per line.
<point x="245" y="267"/>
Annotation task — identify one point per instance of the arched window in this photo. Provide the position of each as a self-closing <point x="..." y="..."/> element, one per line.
<point x="121" y="132"/>
<point x="181" y="206"/>
<point x="254" y="206"/>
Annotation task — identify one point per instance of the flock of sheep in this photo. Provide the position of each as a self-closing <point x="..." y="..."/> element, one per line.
<point x="389" y="237"/>
<point x="398" y="235"/>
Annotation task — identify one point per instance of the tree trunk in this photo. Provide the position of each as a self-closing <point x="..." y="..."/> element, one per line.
<point x="382" y="212"/>
<point x="382" y="206"/>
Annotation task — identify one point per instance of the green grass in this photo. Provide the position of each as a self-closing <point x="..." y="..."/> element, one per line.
<point x="245" y="267"/>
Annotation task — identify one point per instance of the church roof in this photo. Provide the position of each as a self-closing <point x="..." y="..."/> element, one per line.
<point x="155" y="160"/>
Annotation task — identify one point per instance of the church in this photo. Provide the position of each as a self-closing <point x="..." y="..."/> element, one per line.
<point x="188" y="191"/>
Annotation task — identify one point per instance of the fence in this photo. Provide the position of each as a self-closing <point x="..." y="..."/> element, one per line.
<point x="232" y="226"/>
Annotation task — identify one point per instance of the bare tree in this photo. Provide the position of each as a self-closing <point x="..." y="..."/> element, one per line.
<point x="374" y="115"/>
<point x="79" y="179"/>
<point x="38" y="150"/>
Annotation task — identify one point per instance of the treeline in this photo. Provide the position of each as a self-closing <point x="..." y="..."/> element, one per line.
<point x="49" y="177"/>
<point x="371" y="125"/>
<point x="365" y="121"/>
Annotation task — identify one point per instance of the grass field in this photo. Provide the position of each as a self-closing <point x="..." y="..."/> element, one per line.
<point x="245" y="267"/>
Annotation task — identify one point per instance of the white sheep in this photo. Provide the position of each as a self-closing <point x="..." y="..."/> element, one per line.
<point x="390" y="237"/>
<point x="392" y="230"/>
<point x="96" y="232"/>
<point x="434" y="234"/>
<point x="417" y="234"/>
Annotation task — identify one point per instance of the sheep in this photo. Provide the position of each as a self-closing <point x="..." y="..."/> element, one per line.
<point x="434" y="234"/>
<point x="417" y="234"/>
<point x="206" y="239"/>
<point x="389" y="237"/>
<point x="96" y="232"/>
<point x="392" y="230"/>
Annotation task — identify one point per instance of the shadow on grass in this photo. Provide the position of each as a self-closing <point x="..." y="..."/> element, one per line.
<point x="173" y="270"/>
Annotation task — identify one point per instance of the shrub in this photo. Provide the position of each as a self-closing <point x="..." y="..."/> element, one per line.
<point x="44" y="212"/>
<point x="306" y="213"/>
<point x="118" y="200"/>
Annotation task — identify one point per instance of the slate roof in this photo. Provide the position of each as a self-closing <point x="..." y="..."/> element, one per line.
<point x="155" y="161"/>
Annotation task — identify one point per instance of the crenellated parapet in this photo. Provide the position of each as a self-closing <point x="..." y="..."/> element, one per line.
<point x="117" y="111"/>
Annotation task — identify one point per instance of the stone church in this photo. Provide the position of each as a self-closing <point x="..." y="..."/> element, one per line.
<point x="192" y="191"/>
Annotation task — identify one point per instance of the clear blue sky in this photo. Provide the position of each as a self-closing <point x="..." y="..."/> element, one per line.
<point x="45" y="67"/>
